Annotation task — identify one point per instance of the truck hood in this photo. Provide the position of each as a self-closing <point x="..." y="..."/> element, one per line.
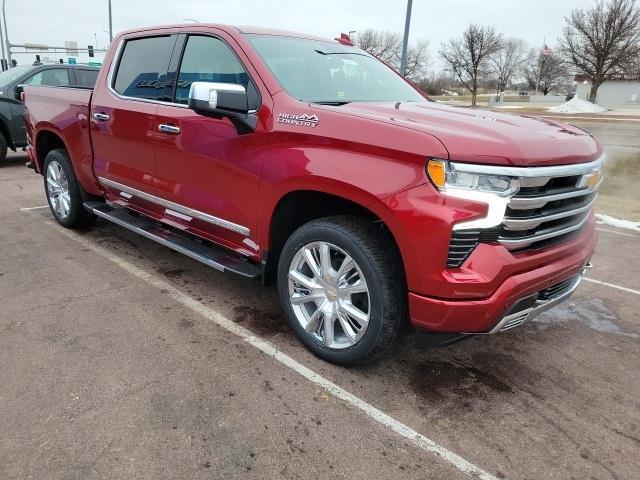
<point x="483" y="136"/>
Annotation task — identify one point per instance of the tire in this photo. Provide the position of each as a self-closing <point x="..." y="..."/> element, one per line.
<point x="3" y="147"/>
<point x="351" y="341"/>
<point x="64" y="193"/>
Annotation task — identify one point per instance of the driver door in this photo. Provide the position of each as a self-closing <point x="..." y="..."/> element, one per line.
<point x="205" y="168"/>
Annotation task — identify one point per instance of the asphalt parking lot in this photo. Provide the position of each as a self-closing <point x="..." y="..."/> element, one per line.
<point x="122" y="359"/>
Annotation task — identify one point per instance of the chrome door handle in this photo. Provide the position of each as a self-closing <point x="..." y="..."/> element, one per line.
<point x="166" y="128"/>
<point x="101" y="117"/>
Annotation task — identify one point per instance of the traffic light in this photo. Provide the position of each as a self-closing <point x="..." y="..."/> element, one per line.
<point x="90" y="48"/>
<point x="14" y="62"/>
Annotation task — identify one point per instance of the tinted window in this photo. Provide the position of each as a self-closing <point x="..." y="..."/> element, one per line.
<point x="86" y="78"/>
<point x="54" y="77"/>
<point x="317" y="71"/>
<point x="143" y="66"/>
<point x="208" y="59"/>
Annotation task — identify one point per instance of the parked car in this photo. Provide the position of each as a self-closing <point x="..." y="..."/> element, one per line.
<point x="12" y="132"/>
<point x="286" y="157"/>
<point x="570" y="96"/>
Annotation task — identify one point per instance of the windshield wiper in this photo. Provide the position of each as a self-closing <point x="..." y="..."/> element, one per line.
<point x="335" y="103"/>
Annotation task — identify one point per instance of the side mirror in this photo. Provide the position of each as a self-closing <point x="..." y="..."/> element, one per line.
<point x="17" y="92"/>
<point x="219" y="99"/>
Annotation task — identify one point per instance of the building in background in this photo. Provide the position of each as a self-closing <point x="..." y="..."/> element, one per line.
<point x="616" y="91"/>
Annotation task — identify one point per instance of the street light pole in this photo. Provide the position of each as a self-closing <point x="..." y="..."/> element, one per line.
<point x="405" y="42"/>
<point x="110" y="24"/>
<point x="2" y="48"/>
<point x="6" y="35"/>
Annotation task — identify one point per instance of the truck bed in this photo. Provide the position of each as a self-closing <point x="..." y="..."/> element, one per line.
<point x="65" y="111"/>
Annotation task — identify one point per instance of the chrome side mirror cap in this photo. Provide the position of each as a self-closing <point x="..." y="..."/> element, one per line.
<point x="219" y="99"/>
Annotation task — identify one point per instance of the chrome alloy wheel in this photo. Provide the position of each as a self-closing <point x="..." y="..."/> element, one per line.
<point x="329" y="295"/>
<point x="58" y="190"/>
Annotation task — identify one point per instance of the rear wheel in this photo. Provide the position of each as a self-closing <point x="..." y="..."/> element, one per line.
<point x="341" y="284"/>
<point x="64" y="192"/>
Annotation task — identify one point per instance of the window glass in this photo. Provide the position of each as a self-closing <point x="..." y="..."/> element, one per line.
<point x="326" y="72"/>
<point x="143" y="67"/>
<point x="208" y="59"/>
<point x="10" y="75"/>
<point x="86" y="78"/>
<point x="53" y="77"/>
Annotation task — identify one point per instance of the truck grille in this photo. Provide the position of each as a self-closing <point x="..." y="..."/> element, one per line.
<point x="546" y="210"/>
<point x="551" y="205"/>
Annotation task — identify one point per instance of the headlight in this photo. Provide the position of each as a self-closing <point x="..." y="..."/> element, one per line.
<point x="448" y="179"/>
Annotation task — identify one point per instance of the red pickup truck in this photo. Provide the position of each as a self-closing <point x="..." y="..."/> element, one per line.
<point x="282" y="156"/>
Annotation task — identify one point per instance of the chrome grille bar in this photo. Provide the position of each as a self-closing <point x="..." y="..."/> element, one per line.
<point x="527" y="223"/>
<point x="539" y="201"/>
<point x="522" y="242"/>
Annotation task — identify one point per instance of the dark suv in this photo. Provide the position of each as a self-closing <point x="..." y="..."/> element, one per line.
<point x="12" y="132"/>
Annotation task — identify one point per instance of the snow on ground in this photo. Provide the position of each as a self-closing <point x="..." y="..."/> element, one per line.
<point x="617" y="222"/>
<point x="576" y="105"/>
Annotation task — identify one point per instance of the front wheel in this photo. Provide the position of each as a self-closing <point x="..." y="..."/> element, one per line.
<point x="341" y="284"/>
<point x="64" y="192"/>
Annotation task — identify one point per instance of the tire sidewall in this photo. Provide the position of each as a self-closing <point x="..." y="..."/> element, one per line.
<point x="3" y="147"/>
<point x="334" y="234"/>
<point x="75" y="196"/>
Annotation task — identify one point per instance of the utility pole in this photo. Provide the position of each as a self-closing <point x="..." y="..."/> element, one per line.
<point x="405" y="42"/>
<point x="6" y="35"/>
<point x="110" y="24"/>
<point x="5" y="64"/>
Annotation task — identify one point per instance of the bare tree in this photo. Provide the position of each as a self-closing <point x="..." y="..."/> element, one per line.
<point x="602" y="39"/>
<point x="507" y="62"/>
<point x="467" y="57"/>
<point x="387" y="46"/>
<point x="548" y="72"/>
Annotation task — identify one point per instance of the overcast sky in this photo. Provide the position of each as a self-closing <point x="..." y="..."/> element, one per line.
<point x="52" y="22"/>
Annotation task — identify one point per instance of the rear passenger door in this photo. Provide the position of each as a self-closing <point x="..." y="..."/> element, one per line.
<point x="123" y="119"/>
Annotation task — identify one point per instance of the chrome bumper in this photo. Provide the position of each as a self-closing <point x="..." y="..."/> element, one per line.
<point x="539" y="306"/>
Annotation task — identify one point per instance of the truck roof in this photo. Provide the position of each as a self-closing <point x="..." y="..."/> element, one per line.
<point x="243" y="29"/>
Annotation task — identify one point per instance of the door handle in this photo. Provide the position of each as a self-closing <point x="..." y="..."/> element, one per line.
<point x="101" y="117"/>
<point x="166" y="128"/>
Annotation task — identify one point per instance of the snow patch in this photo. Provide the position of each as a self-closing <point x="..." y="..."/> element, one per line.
<point x="617" y="222"/>
<point x="576" y="105"/>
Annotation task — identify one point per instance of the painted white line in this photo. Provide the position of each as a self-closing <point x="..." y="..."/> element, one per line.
<point x="624" y="234"/>
<point x="613" y="285"/>
<point x="604" y="118"/>
<point x="269" y="349"/>
<point x="608" y="220"/>
<point x="26" y="209"/>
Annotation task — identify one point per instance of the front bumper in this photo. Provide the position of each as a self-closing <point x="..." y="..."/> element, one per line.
<point x="513" y="302"/>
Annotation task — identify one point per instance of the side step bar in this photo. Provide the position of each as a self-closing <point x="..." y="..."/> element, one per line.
<point x="209" y="254"/>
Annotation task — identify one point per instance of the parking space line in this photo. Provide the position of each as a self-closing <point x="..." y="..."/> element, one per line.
<point x="271" y="350"/>
<point x="613" y="285"/>
<point x="623" y="234"/>
<point x="26" y="209"/>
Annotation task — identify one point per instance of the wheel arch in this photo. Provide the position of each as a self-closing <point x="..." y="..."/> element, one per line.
<point x="296" y="207"/>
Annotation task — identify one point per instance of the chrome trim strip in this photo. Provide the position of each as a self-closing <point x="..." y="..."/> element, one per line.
<point x="527" y="203"/>
<point x="553" y="171"/>
<point x="540" y="306"/>
<point x="514" y="243"/>
<point x="516" y="224"/>
<point x="219" y="222"/>
<point x="160" y="240"/>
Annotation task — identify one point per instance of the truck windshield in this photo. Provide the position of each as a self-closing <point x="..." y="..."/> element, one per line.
<point x="10" y="75"/>
<point x="329" y="73"/>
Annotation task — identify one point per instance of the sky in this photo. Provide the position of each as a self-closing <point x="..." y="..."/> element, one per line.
<point x="52" y="22"/>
